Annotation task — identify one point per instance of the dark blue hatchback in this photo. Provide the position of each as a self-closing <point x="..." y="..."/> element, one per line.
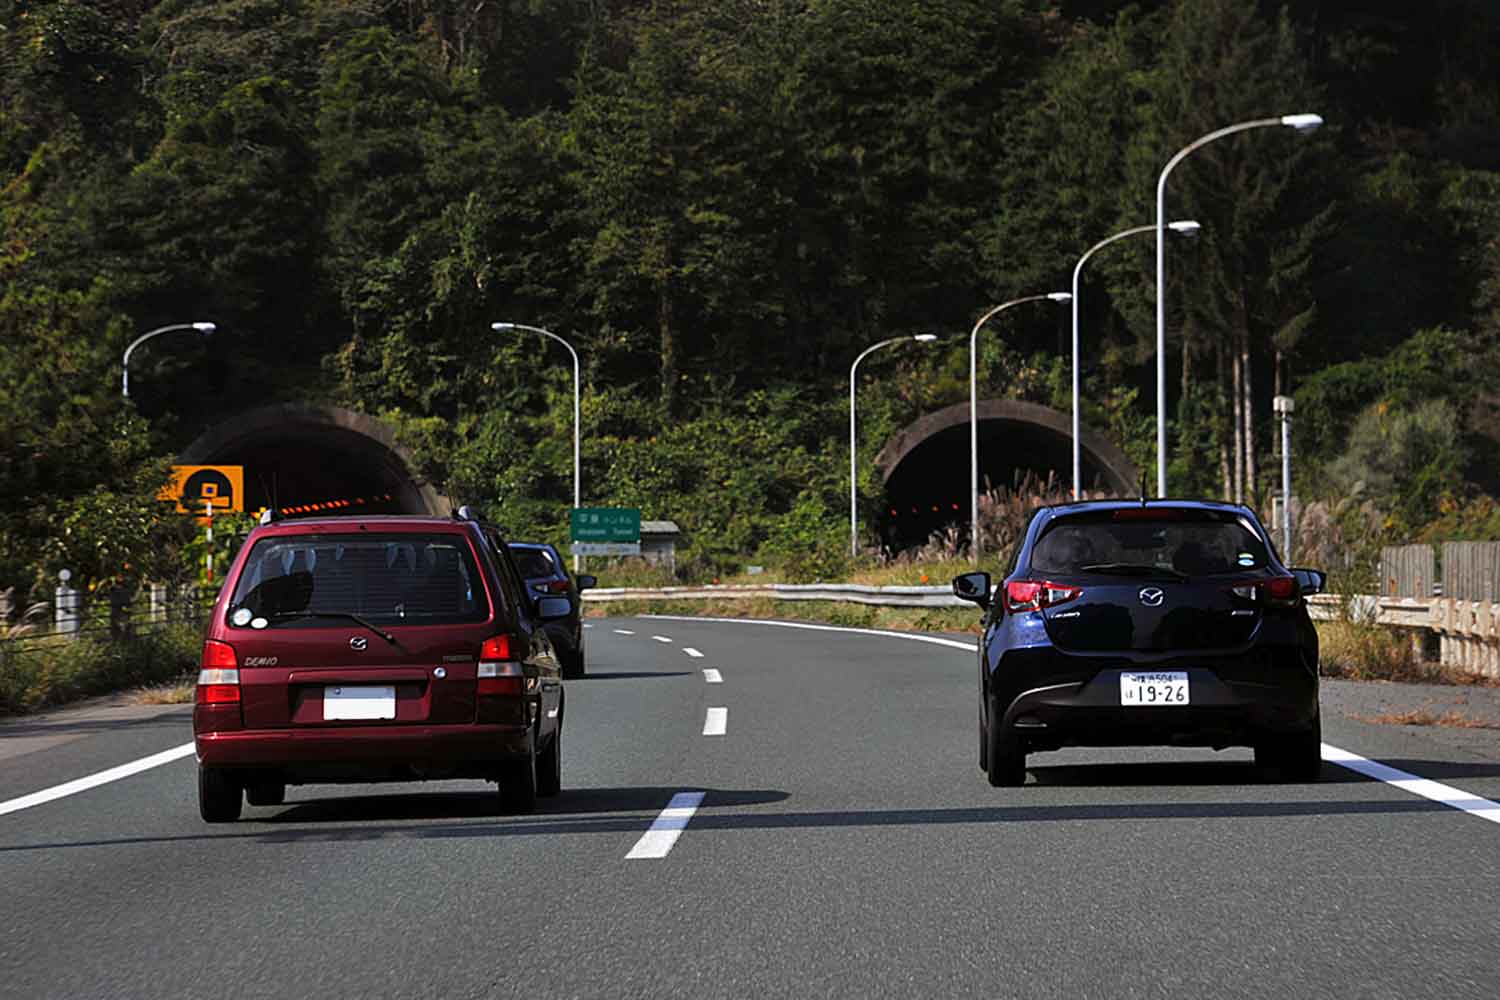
<point x="1136" y="623"/>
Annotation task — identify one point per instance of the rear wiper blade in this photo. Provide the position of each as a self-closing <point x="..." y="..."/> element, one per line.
<point x="1132" y="569"/>
<point x="351" y="616"/>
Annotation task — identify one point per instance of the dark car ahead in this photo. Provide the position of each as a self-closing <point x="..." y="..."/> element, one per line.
<point x="1128" y="623"/>
<point x="542" y="567"/>
<point x="360" y="649"/>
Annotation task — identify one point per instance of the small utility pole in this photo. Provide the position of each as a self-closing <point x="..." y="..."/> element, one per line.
<point x="1283" y="406"/>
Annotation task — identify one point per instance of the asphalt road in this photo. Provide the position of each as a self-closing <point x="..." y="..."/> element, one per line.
<point x="846" y="845"/>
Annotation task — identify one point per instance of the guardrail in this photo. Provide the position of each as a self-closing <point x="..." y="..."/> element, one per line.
<point x="1468" y="631"/>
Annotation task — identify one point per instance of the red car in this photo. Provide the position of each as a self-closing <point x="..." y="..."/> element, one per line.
<point x="376" y="649"/>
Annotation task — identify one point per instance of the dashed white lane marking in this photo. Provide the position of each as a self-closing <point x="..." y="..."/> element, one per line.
<point x="712" y="676"/>
<point x="689" y="650"/>
<point x="95" y="780"/>
<point x="662" y="638"/>
<point x="1457" y="798"/>
<point x="716" y="722"/>
<point x="657" y="842"/>
<point x="1415" y="784"/>
<point x="623" y="631"/>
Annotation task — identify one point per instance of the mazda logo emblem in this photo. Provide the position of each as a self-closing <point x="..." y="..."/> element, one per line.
<point x="1152" y="597"/>
<point x="359" y="642"/>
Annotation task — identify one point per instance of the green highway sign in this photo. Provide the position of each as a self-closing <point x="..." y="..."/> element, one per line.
<point x="606" y="524"/>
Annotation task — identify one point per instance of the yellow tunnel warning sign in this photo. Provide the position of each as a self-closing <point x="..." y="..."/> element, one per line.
<point x="195" y="486"/>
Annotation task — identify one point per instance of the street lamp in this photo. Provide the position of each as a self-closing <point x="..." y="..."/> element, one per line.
<point x="548" y="333"/>
<point x="1302" y="123"/>
<point x="203" y="328"/>
<point x="1184" y="227"/>
<point x="1283" y="406"/>
<point x="921" y="338"/>
<point x="974" y="413"/>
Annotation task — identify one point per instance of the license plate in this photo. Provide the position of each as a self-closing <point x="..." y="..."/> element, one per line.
<point x="362" y="702"/>
<point x="1150" y="690"/>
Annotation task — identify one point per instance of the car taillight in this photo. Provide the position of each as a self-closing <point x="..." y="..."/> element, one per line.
<point x="1033" y="595"/>
<point x="551" y="587"/>
<point x="498" y="674"/>
<point x="219" y="675"/>
<point x="1277" y="592"/>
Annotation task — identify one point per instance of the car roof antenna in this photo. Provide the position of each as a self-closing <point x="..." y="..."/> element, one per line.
<point x="1143" y="488"/>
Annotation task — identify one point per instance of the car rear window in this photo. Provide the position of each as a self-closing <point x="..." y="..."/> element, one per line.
<point x="391" y="579"/>
<point x="534" y="562"/>
<point x="1191" y="542"/>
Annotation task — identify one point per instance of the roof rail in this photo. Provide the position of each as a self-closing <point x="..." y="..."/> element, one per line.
<point x="465" y="513"/>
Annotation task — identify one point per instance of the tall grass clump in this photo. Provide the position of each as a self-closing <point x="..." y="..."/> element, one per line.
<point x="43" y="672"/>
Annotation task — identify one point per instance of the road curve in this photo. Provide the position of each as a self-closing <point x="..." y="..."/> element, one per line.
<point x="755" y="810"/>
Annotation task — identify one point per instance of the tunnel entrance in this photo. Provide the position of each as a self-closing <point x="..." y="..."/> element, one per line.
<point x="926" y="465"/>
<point x="305" y="459"/>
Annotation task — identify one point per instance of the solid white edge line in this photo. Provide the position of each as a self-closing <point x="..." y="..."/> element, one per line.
<point x="95" y="780"/>
<point x="689" y="650"/>
<point x="716" y="722"/>
<point x="712" y="676"/>
<point x="935" y="640"/>
<point x="667" y="827"/>
<point x="662" y="638"/>
<point x="1457" y="798"/>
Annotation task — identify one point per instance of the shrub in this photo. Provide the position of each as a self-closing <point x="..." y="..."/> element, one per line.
<point x="39" y="673"/>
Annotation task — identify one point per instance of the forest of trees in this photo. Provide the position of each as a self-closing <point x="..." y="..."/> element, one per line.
<point x="720" y="202"/>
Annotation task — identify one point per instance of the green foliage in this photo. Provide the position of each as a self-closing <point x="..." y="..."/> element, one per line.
<point x="807" y="543"/>
<point x="1406" y="460"/>
<point x="38" y="673"/>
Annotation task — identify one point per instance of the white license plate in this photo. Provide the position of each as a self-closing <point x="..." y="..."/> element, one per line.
<point x="362" y="702"/>
<point x="1150" y="690"/>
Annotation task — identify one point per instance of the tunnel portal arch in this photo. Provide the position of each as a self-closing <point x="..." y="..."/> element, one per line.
<point x="925" y="466"/>
<point x="300" y="455"/>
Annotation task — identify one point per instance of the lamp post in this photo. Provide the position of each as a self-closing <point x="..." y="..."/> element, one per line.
<point x="921" y="338"/>
<point x="1183" y="227"/>
<point x="576" y="424"/>
<point x="974" y="413"/>
<point x="203" y="328"/>
<point x="1302" y="123"/>
<point x="1283" y="406"/>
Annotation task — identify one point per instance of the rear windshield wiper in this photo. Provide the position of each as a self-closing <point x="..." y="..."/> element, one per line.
<point x="1133" y="569"/>
<point x="281" y="616"/>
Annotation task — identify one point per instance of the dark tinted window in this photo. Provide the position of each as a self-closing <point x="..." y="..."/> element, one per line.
<point x="1197" y="543"/>
<point x="396" y="579"/>
<point x="533" y="562"/>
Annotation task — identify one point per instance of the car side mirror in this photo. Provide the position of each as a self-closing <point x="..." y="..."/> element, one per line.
<point x="553" y="607"/>
<point x="1312" y="581"/>
<point x="973" y="587"/>
<point x="585" y="581"/>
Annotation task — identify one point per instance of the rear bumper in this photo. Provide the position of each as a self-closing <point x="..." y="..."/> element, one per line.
<point x="1221" y="713"/>
<point x="367" y="752"/>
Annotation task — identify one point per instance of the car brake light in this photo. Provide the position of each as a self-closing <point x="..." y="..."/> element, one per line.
<point x="1278" y="591"/>
<point x="498" y="674"/>
<point x="219" y="676"/>
<point x="551" y="587"/>
<point x="1033" y="595"/>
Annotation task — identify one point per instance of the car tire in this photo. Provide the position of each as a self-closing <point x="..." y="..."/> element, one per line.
<point x="266" y="793"/>
<point x="572" y="664"/>
<point x="220" y="797"/>
<point x="549" y="766"/>
<point x="1004" y="757"/>
<point x="518" y="783"/>
<point x="1295" y="757"/>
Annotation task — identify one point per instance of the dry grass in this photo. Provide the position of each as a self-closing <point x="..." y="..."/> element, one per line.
<point x="1355" y="652"/>
<point x="170" y="693"/>
<point x="1427" y="717"/>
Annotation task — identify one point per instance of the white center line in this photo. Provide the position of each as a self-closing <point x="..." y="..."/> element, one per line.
<point x="689" y="650"/>
<point x="1425" y="787"/>
<point x="661" y="638"/>
<point x="95" y="780"/>
<point x="623" y="631"/>
<point x="712" y="676"/>
<point x="716" y="722"/>
<point x="657" y="842"/>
